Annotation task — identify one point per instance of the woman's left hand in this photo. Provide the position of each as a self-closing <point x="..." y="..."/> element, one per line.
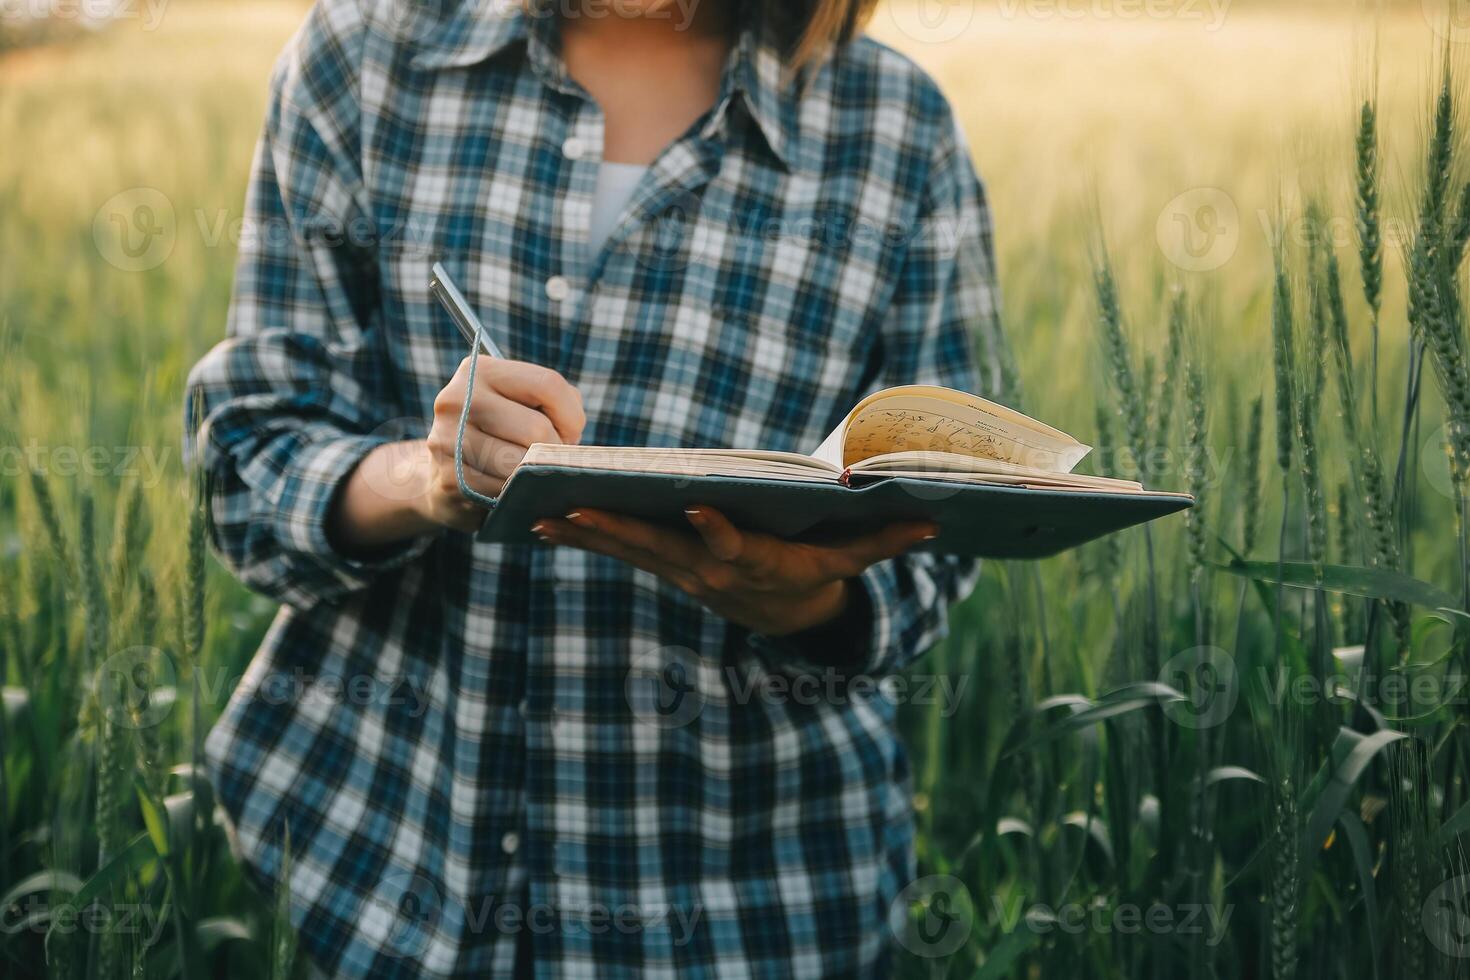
<point x="768" y="585"/>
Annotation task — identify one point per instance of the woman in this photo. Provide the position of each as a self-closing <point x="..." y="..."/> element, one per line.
<point x="707" y="224"/>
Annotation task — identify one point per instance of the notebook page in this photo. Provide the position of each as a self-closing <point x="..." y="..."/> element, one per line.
<point x="972" y="427"/>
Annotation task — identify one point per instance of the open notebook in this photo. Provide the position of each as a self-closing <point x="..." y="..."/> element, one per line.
<point x="997" y="482"/>
<point x="918" y="431"/>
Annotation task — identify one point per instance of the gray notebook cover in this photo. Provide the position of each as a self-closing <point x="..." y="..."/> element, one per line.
<point x="976" y="520"/>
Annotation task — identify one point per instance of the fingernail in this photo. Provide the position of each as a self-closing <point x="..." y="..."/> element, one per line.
<point x="579" y="518"/>
<point x="696" y="516"/>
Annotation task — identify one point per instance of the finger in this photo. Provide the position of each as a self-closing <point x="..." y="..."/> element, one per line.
<point x="540" y="388"/>
<point x="757" y="556"/>
<point x="496" y="415"/>
<point x="564" y="532"/>
<point x="861" y="553"/>
<point x="673" y="547"/>
<point x="494" y="459"/>
<point x="723" y="539"/>
<point x="477" y="480"/>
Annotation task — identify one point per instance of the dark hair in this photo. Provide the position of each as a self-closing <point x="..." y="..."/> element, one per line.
<point x="810" y="29"/>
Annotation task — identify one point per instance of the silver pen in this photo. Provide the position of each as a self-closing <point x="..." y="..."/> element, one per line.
<point x="459" y="310"/>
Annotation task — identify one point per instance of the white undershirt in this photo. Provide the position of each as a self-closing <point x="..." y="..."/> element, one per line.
<point x="616" y="183"/>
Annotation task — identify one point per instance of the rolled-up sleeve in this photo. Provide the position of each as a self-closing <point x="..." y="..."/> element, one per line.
<point x="281" y="412"/>
<point x="945" y="309"/>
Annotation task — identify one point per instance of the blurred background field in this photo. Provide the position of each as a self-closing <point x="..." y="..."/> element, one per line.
<point x="1177" y="136"/>
<point x="1070" y="117"/>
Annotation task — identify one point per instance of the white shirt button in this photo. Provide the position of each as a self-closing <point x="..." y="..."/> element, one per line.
<point x="574" y="149"/>
<point x="558" y="289"/>
<point x="511" y="842"/>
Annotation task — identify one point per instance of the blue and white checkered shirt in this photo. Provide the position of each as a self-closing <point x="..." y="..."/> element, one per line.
<point x="469" y="740"/>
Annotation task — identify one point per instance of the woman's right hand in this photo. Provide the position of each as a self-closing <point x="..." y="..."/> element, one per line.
<point x="515" y="405"/>
<point x="403" y="490"/>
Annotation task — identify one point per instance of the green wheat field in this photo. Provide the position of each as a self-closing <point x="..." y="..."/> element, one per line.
<point x="1231" y="242"/>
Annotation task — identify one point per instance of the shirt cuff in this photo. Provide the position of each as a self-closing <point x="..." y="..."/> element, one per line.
<point x="843" y="643"/>
<point x="312" y="481"/>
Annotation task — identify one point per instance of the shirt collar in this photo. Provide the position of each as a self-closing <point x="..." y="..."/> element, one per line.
<point x="769" y="92"/>
<point x="480" y="29"/>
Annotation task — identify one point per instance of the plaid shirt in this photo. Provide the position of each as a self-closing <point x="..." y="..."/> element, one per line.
<point x="468" y="740"/>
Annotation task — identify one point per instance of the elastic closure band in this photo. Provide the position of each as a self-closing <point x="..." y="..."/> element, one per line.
<point x="464" y="418"/>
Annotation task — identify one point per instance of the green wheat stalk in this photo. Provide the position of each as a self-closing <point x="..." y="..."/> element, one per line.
<point x="1196" y="463"/>
<point x="1370" y="236"/>
<point x="1250" y="513"/>
<point x="51" y="524"/>
<point x="1408" y="831"/>
<point x="1169" y="377"/>
<point x="1285" y="884"/>
<point x="1364" y="463"/>
<point x="1283" y="361"/>
<point x="110" y="762"/>
<point x="1112" y="544"/>
<point x="1120" y="365"/>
